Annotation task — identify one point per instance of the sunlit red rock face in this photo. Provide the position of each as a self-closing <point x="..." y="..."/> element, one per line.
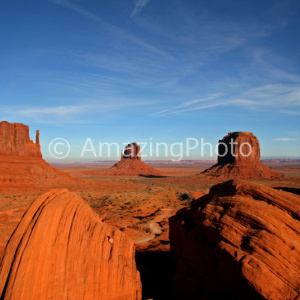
<point x="15" y="141"/>
<point x="241" y="241"/>
<point x="21" y="160"/>
<point x="62" y="250"/>
<point x="239" y="157"/>
<point x="245" y="147"/>
<point x="131" y="164"/>
<point x="131" y="151"/>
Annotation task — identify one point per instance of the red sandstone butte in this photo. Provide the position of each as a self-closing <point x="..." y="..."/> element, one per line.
<point x="239" y="157"/>
<point x="241" y="241"/>
<point x="62" y="250"/>
<point x="15" y="141"/>
<point x="21" y="160"/>
<point x="131" y="164"/>
<point x="131" y="151"/>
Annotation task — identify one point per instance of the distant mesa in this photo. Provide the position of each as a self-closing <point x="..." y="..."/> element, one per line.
<point x="21" y="159"/>
<point x="61" y="249"/>
<point x="245" y="148"/>
<point x="239" y="156"/>
<point x="241" y="241"/>
<point x="15" y="141"/>
<point x="131" y="164"/>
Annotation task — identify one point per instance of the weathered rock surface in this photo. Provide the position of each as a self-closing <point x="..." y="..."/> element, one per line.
<point x="21" y="160"/>
<point x="238" y="146"/>
<point x="241" y="241"/>
<point x="15" y="140"/>
<point x="239" y="157"/>
<point x="62" y="250"/>
<point x="131" y="164"/>
<point x="131" y="151"/>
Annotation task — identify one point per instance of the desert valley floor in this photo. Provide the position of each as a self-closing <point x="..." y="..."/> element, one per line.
<point x="140" y="206"/>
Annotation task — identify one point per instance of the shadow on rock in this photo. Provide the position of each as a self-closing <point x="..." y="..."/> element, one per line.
<point x="157" y="271"/>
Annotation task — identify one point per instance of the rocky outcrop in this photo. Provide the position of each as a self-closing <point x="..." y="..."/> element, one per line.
<point x="21" y="160"/>
<point x="241" y="241"/>
<point x="239" y="157"/>
<point x="15" y="140"/>
<point x="131" y="164"/>
<point x="131" y="151"/>
<point x="237" y="147"/>
<point x="62" y="250"/>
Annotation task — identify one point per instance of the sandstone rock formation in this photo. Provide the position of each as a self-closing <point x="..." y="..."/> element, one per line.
<point x="237" y="147"/>
<point x="131" y="164"/>
<point x="15" y="141"/>
<point x="239" y="156"/>
<point x="62" y="250"/>
<point x="131" y="151"/>
<point x="241" y="241"/>
<point x="21" y="160"/>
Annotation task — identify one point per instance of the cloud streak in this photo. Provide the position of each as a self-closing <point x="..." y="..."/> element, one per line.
<point x="139" y="5"/>
<point x="71" y="114"/>
<point x="287" y="139"/>
<point x="79" y="10"/>
<point x="271" y="97"/>
<point x="188" y="105"/>
<point x="291" y="112"/>
<point x="115" y="30"/>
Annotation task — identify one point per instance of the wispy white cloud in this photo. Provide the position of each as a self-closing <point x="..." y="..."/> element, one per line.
<point x="291" y="112"/>
<point x="139" y="5"/>
<point x="181" y="52"/>
<point x="273" y="66"/>
<point x="274" y="95"/>
<point x="79" y="10"/>
<point x="58" y="111"/>
<point x="178" y="53"/>
<point x="271" y="97"/>
<point x="189" y="105"/>
<point x="70" y="114"/>
<point x="115" y="30"/>
<point x="201" y="37"/>
<point x="287" y="139"/>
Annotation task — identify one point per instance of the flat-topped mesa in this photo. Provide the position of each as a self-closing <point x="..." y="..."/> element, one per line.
<point x="15" y="140"/>
<point x="131" y="151"/>
<point x="237" y="147"/>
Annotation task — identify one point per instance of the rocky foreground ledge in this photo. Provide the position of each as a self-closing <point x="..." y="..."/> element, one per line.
<point x="241" y="241"/>
<point x="62" y="250"/>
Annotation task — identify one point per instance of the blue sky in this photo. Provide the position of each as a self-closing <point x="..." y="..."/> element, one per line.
<point x="131" y="70"/>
